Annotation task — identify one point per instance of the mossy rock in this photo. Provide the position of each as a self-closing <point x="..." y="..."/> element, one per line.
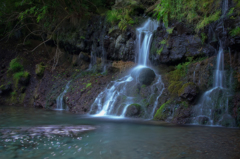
<point x="174" y="87"/>
<point x="188" y="91"/>
<point x="40" y="70"/>
<point x="134" y="110"/>
<point x="24" y="78"/>
<point x="163" y="112"/>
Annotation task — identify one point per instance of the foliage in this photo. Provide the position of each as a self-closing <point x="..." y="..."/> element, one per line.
<point x="163" y="42"/>
<point x="18" y="75"/>
<point x="235" y="31"/>
<point x="159" y="51"/>
<point x="199" y="12"/>
<point x="88" y="85"/>
<point x="15" y="66"/>
<point x="45" y="16"/>
<point x="120" y="16"/>
<point x="170" y="30"/>
<point x="204" y="37"/>
<point x="40" y="68"/>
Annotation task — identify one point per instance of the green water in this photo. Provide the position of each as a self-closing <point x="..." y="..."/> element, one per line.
<point x="40" y="134"/>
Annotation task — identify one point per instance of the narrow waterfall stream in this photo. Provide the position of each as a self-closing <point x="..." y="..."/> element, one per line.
<point x="60" y="102"/>
<point x="213" y="106"/>
<point x="122" y="93"/>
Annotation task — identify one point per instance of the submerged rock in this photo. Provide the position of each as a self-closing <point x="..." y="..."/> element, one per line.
<point x="134" y="110"/>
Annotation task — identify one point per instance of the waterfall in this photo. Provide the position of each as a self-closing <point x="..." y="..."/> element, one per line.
<point x="104" y="55"/>
<point x="120" y="94"/>
<point x="60" y="102"/>
<point x="213" y="106"/>
<point x="93" y="59"/>
<point x="224" y="7"/>
<point x="144" y="39"/>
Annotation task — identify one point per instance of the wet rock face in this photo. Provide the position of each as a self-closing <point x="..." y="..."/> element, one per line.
<point x="145" y="76"/>
<point x="120" y="47"/>
<point x="189" y="92"/>
<point x="25" y="80"/>
<point x="134" y="110"/>
<point x="178" y="45"/>
<point x="5" y="89"/>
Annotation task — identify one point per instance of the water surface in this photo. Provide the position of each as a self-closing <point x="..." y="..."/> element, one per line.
<point x="35" y="133"/>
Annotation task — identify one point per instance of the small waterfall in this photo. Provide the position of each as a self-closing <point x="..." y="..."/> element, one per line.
<point x="60" y="102"/>
<point x="213" y="107"/>
<point x="224" y="7"/>
<point x="144" y="39"/>
<point x="219" y="73"/>
<point x="194" y="76"/>
<point x="104" y="55"/>
<point x="231" y="74"/>
<point x="120" y="94"/>
<point x="93" y="58"/>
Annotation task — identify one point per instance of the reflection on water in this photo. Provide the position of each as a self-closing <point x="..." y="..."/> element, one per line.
<point x="34" y="133"/>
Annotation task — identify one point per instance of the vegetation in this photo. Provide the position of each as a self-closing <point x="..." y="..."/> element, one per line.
<point x="122" y="15"/>
<point x="15" y="66"/>
<point x="198" y="12"/>
<point x="40" y="68"/>
<point x="235" y="31"/>
<point x="161" y="114"/>
<point x="18" y="75"/>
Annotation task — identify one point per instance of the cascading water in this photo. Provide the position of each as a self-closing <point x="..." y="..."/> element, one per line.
<point x="120" y="94"/>
<point x="60" y="103"/>
<point x="213" y="107"/>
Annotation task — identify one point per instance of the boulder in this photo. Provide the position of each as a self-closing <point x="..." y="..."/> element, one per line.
<point x="188" y="91"/>
<point x="143" y="75"/>
<point x="134" y="110"/>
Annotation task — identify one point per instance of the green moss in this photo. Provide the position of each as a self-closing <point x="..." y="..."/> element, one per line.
<point x="159" y="51"/>
<point x="161" y="114"/>
<point x="88" y="85"/>
<point x="235" y="31"/>
<point x="174" y="87"/>
<point x="15" y="66"/>
<point x="183" y="88"/>
<point x="40" y="68"/>
<point x="18" y="75"/>
<point x="184" y="104"/>
<point x="174" y="75"/>
<point x="22" y="97"/>
<point x="13" y="96"/>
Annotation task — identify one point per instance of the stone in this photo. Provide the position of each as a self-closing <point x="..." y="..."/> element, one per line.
<point x="146" y="76"/>
<point x="134" y="110"/>
<point x="188" y="91"/>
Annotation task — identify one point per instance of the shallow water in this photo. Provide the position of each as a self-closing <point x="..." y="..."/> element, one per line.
<point x="36" y="133"/>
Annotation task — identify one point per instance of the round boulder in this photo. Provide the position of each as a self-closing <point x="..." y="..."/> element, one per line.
<point x="134" y="110"/>
<point x="144" y="75"/>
